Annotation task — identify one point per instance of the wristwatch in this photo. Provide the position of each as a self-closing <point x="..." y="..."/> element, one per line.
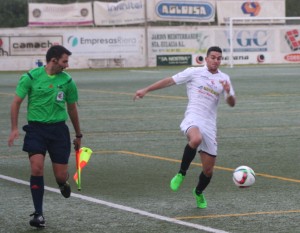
<point x="79" y="136"/>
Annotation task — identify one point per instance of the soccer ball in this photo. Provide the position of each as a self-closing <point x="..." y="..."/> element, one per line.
<point x="243" y="176"/>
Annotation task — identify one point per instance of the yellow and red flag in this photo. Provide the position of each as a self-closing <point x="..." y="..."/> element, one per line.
<point x="82" y="157"/>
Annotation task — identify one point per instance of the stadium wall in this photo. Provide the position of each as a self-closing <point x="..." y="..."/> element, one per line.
<point x="22" y="48"/>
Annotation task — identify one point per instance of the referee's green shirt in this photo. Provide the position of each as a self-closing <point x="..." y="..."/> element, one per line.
<point x="47" y="95"/>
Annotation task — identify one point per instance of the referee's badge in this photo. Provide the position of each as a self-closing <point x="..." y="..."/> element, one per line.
<point x="60" y="96"/>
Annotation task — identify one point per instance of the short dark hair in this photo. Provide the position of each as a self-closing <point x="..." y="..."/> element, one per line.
<point x="214" y="49"/>
<point x="56" y="51"/>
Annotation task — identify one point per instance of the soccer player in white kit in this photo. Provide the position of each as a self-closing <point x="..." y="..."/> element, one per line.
<point x="205" y="86"/>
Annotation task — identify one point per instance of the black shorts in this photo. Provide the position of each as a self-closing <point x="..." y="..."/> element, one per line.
<point x="54" y="138"/>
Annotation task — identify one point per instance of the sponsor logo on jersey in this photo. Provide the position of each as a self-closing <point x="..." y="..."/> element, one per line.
<point x="60" y="96"/>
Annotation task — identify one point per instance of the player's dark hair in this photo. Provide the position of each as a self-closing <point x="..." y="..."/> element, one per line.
<point x="214" y="49"/>
<point x="56" y="51"/>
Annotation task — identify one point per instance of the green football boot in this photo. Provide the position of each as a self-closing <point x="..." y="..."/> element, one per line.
<point x="176" y="181"/>
<point x="200" y="200"/>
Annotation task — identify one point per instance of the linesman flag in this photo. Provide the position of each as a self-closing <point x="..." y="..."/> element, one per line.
<point x="82" y="157"/>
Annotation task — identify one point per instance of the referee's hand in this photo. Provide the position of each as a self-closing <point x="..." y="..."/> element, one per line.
<point x="77" y="143"/>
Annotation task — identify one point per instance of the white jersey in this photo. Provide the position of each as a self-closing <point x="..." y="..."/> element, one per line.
<point x="203" y="91"/>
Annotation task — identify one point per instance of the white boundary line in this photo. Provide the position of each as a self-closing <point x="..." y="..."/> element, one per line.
<point x="145" y="71"/>
<point x="122" y="207"/>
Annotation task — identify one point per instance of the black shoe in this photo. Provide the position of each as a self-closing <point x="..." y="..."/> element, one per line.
<point x="37" y="221"/>
<point x="65" y="189"/>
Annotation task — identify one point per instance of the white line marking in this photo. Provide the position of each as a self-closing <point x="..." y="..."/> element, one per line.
<point x="122" y="207"/>
<point x="144" y="71"/>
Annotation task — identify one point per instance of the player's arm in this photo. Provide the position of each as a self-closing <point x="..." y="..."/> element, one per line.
<point x="166" y="82"/>
<point x="230" y="99"/>
<point x="14" y="115"/>
<point x="73" y="113"/>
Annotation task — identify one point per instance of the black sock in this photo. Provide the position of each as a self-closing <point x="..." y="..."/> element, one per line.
<point x="188" y="156"/>
<point x="202" y="184"/>
<point x="37" y="192"/>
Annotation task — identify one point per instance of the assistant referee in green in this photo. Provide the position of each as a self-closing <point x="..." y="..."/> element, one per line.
<point x="52" y="97"/>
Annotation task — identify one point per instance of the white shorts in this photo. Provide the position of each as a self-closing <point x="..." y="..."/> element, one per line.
<point x="209" y="134"/>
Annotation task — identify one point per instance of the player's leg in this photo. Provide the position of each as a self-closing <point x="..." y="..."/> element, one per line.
<point x="194" y="140"/>
<point x="208" y="154"/>
<point x="208" y="163"/>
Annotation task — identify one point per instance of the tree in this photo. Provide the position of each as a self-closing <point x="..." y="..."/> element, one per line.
<point x="292" y="8"/>
<point x="13" y="13"/>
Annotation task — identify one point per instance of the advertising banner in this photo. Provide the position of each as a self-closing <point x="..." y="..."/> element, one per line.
<point x="290" y="44"/>
<point x="75" y="14"/>
<point x="122" y="12"/>
<point x="4" y="46"/>
<point x="32" y="45"/>
<point x="21" y="48"/>
<point x="175" y="42"/>
<point x="251" y="44"/>
<point x="174" y="60"/>
<point x="247" y="39"/>
<point x="181" y="11"/>
<point x="250" y="9"/>
<point x="107" y="43"/>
